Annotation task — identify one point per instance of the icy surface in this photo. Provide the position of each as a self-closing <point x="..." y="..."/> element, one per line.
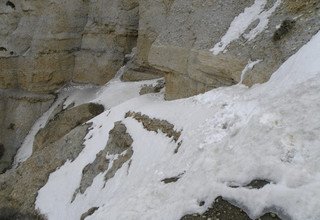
<point x="238" y="27"/>
<point x="230" y="136"/>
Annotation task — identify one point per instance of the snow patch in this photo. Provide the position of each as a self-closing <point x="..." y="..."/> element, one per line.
<point x="242" y="22"/>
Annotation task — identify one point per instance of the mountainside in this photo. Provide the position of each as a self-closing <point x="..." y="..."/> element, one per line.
<point x="167" y="109"/>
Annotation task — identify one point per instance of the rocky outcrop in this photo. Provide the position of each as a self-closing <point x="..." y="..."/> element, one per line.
<point x="45" y="45"/>
<point x="18" y="112"/>
<point x="119" y="147"/>
<point x="60" y="140"/>
<point x="63" y="122"/>
<point x="193" y="28"/>
<point x="109" y="34"/>
<point x="224" y="210"/>
<point x="152" y="20"/>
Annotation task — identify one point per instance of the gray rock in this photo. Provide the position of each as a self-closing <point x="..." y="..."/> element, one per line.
<point x="18" y="112"/>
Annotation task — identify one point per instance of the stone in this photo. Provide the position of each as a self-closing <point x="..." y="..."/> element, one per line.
<point x="18" y="113"/>
<point x="66" y="120"/>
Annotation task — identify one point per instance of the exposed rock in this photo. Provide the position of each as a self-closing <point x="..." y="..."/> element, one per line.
<point x="156" y="125"/>
<point x="33" y="174"/>
<point x="13" y="214"/>
<point x="153" y="18"/>
<point x="181" y="48"/>
<point x="64" y="122"/>
<point x="60" y="140"/>
<point x="146" y="89"/>
<point x="18" y="112"/>
<point x="254" y="184"/>
<point x="283" y="30"/>
<point x="257" y="184"/>
<point x="110" y="33"/>
<point x="47" y="44"/>
<point x="224" y="210"/>
<point x="172" y="179"/>
<point x="88" y="213"/>
<point x="1" y="150"/>
<point x="118" y="146"/>
<point x="136" y="73"/>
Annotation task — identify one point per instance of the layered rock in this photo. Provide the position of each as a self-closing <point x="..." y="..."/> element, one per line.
<point x="45" y="45"/>
<point x="152" y="20"/>
<point x="110" y="33"/>
<point x="18" y="112"/>
<point x="175" y="37"/>
<point x="60" y="140"/>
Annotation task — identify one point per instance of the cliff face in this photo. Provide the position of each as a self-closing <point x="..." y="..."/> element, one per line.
<point x="45" y="45"/>
<point x="48" y="44"/>
<point x="50" y="47"/>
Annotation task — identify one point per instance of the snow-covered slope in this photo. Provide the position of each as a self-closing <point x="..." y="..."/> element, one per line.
<point x="230" y="136"/>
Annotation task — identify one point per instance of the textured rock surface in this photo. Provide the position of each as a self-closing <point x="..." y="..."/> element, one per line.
<point x="110" y="33"/>
<point x="30" y="176"/>
<point x="119" y="146"/>
<point x="193" y="27"/>
<point x="44" y="45"/>
<point x="60" y="140"/>
<point x="63" y="122"/>
<point x="18" y="112"/>
<point x="153" y="18"/>
<point x="224" y="210"/>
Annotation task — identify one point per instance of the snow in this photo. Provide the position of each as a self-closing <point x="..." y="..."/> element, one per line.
<point x="230" y="136"/>
<point x="80" y="94"/>
<point x="248" y="67"/>
<point x="242" y="22"/>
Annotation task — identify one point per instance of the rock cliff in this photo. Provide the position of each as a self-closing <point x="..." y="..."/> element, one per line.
<point x="49" y="47"/>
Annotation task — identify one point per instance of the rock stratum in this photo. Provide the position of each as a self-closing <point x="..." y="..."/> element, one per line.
<point x="86" y="87"/>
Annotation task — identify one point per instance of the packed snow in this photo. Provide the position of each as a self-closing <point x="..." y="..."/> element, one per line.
<point x="230" y="136"/>
<point x="241" y="23"/>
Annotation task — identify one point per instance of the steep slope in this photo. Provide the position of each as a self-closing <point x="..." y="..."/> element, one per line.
<point x="118" y="152"/>
<point x="228" y="137"/>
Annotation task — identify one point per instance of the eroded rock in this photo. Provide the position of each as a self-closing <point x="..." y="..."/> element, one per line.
<point x="118" y="147"/>
<point x="33" y="174"/>
<point x="146" y="89"/>
<point x="224" y="210"/>
<point x="153" y="124"/>
<point x="18" y="113"/>
<point x="88" y="213"/>
<point x="63" y="122"/>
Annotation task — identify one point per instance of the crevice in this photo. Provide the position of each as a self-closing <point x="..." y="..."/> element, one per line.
<point x="10" y="4"/>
